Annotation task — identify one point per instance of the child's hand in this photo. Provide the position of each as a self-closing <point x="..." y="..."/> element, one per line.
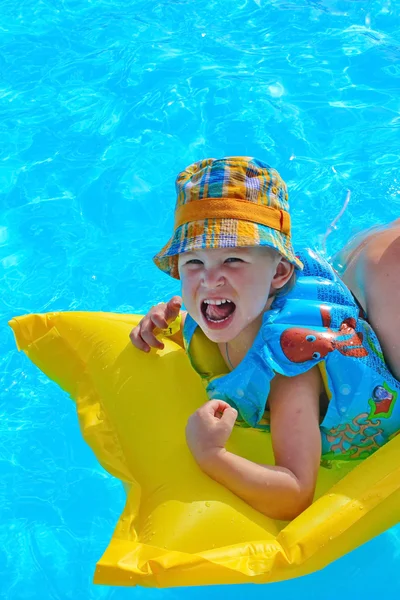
<point x="209" y="428"/>
<point x="158" y="317"/>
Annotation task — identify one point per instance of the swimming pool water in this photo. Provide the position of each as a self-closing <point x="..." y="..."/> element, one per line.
<point x="101" y="104"/>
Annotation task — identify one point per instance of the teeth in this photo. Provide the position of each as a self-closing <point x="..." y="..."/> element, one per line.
<point x="217" y="320"/>
<point x="217" y="302"/>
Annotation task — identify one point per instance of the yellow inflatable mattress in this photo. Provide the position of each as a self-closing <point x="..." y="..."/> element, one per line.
<point x="179" y="527"/>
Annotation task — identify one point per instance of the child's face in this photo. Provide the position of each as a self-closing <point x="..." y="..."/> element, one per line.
<point x="242" y="278"/>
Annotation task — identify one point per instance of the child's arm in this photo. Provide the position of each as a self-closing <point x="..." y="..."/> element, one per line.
<point x="159" y="317"/>
<point x="282" y="491"/>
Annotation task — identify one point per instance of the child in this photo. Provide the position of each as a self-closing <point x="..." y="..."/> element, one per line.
<point x="281" y="340"/>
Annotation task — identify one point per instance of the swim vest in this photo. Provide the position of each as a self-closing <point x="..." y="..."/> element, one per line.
<point x="317" y="323"/>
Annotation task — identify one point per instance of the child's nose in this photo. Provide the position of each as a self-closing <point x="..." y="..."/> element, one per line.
<point x="212" y="277"/>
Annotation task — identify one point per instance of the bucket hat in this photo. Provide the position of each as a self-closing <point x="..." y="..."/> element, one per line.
<point x="236" y="201"/>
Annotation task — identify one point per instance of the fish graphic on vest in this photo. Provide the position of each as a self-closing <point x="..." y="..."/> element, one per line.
<point x="300" y="344"/>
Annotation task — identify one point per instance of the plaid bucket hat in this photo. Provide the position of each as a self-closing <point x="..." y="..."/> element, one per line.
<point x="230" y="202"/>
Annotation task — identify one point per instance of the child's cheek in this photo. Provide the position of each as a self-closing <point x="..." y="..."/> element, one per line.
<point x="187" y="291"/>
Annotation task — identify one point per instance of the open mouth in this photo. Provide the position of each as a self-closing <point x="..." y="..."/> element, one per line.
<point x="217" y="312"/>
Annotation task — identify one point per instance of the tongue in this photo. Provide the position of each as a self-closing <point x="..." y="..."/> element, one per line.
<point x="217" y="312"/>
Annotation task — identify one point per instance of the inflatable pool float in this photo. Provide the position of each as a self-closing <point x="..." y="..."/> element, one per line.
<point x="179" y="527"/>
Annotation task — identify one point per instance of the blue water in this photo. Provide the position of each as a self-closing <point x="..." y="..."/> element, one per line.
<point x="101" y="104"/>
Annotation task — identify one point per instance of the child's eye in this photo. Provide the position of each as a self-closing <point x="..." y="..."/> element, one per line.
<point x="194" y="261"/>
<point x="233" y="259"/>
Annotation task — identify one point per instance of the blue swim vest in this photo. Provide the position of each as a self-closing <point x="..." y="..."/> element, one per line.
<point x="317" y="323"/>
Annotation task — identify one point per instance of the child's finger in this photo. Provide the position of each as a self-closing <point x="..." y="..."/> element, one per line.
<point x="142" y="336"/>
<point x="215" y="406"/>
<point x="137" y="340"/>
<point x="157" y="317"/>
<point x="163" y="314"/>
<point x="172" y="309"/>
<point x="149" y="338"/>
<point x="229" y="416"/>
